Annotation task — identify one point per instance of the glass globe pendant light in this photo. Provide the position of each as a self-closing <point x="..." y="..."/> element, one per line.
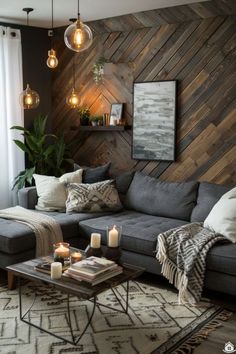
<point x="52" y="60"/>
<point x="29" y="99"/>
<point x="73" y="99"/>
<point x="78" y="36"/>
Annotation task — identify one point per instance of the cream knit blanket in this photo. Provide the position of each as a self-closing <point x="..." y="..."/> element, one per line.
<point x="47" y="231"/>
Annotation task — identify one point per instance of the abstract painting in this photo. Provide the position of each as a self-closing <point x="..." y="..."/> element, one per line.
<point x="154" y="120"/>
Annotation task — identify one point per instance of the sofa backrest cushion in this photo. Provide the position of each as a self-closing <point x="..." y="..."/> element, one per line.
<point x="169" y="199"/>
<point x="94" y="174"/>
<point x="208" y="196"/>
<point x="122" y="184"/>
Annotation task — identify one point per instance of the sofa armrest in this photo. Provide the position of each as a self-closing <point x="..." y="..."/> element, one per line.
<point x="28" y="197"/>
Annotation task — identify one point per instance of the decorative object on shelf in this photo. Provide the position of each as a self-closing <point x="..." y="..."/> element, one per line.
<point x="116" y="113"/>
<point x="52" y="60"/>
<point x="94" y="249"/>
<point x="96" y="121"/>
<point x="78" y="36"/>
<point x="84" y="114"/>
<point x="154" y="120"/>
<point x="75" y="257"/>
<point x="106" y="119"/>
<point x="98" y="70"/>
<point x="29" y="99"/>
<point x="62" y="253"/>
<point x="113" y="251"/>
<point x="56" y="270"/>
<point x="73" y="99"/>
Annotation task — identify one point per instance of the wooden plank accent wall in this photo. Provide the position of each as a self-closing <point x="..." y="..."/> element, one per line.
<point x="194" y="44"/>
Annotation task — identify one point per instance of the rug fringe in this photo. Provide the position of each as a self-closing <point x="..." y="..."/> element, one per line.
<point x="199" y="337"/>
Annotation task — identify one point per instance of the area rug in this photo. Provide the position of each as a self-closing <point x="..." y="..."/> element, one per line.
<point x="156" y="323"/>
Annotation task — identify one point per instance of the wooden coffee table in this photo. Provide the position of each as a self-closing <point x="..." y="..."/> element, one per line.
<point x="71" y="287"/>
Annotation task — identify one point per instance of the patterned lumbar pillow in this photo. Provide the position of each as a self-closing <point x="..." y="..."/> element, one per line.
<point x="95" y="197"/>
<point x="52" y="191"/>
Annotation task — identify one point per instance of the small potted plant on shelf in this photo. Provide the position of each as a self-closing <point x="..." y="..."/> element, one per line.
<point x="96" y="120"/>
<point x="84" y="115"/>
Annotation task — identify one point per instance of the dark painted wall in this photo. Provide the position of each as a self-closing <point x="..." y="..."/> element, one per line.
<point x="35" y="45"/>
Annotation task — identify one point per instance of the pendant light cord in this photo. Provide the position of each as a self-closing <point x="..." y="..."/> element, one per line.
<point x="74" y="71"/>
<point x="52" y="16"/>
<point x="78" y="10"/>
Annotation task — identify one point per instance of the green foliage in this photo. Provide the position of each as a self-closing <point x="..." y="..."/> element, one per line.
<point x="46" y="153"/>
<point x="84" y="114"/>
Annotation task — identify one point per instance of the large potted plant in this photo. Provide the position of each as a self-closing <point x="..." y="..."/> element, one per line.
<point x="46" y="154"/>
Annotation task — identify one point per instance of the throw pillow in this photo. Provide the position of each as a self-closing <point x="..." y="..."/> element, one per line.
<point x="94" y="174"/>
<point x="92" y="197"/>
<point x="52" y="192"/>
<point x="222" y="218"/>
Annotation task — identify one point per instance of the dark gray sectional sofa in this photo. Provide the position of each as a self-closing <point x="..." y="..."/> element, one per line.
<point x="150" y="207"/>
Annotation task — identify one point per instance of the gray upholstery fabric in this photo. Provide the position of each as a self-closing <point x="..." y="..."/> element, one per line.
<point x="168" y="199"/>
<point x="94" y="174"/>
<point x="16" y="237"/>
<point x="208" y="196"/>
<point x="139" y="231"/>
<point x="224" y="283"/>
<point x="222" y="258"/>
<point x="28" y="197"/>
<point x="123" y="182"/>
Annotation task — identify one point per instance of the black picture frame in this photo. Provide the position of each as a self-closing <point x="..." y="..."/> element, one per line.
<point x="116" y="113"/>
<point x="154" y="120"/>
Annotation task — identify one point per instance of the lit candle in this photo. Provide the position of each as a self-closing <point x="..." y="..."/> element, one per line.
<point x="75" y="257"/>
<point x="62" y="251"/>
<point x="113" y="237"/>
<point x="56" y="270"/>
<point x="95" y="240"/>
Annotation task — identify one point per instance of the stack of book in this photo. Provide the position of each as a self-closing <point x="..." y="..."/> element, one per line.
<point x="93" y="270"/>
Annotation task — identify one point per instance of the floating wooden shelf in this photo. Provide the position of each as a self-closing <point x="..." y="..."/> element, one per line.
<point x="101" y="128"/>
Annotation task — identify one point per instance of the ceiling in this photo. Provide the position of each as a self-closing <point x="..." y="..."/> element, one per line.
<point x="11" y="10"/>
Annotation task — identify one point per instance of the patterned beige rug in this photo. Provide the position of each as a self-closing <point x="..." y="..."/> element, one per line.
<point x="156" y="323"/>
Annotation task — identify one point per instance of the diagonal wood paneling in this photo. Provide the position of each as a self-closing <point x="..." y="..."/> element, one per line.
<point x="194" y="44"/>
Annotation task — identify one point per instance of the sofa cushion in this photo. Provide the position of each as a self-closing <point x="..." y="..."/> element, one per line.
<point x="94" y="174"/>
<point x="52" y="191"/>
<point x="16" y="237"/>
<point x="222" y="258"/>
<point x="169" y="199"/>
<point x="139" y="231"/>
<point x="208" y="196"/>
<point x="92" y="197"/>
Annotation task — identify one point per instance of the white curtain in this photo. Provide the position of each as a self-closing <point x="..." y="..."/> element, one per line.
<point x="11" y="113"/>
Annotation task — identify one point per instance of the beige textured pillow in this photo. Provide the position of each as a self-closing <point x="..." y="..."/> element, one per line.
<point x="222" y="218"/>
<point x="52" y="192"/>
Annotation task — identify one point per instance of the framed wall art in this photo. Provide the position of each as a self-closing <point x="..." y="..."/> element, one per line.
<point x="154" y="116"/>
<point x="116" y="113"/>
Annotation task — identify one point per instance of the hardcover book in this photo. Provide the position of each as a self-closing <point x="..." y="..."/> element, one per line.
<point x="93" y="266"/>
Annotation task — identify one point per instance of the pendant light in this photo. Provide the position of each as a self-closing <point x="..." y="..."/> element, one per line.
<point x="52" y="60"/>
<point x="29" y="99"/>
<point x="78" y="36"/>
<point x="73" y="99"/>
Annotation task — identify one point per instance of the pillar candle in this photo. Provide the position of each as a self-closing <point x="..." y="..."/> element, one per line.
<point x="62" y="251"/>
<point x="56" y="270"/>
<point x="75" y="257"/>
<point x="95" y="240"/>
<point x="113" y="238"/>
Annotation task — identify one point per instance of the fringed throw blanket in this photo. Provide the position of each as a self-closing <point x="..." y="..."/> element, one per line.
<point x="47" y="231"/>
<point x="182" y="252"/>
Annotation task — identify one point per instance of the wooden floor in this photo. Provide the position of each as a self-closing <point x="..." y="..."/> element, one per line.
<point x="215" y="342"/>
